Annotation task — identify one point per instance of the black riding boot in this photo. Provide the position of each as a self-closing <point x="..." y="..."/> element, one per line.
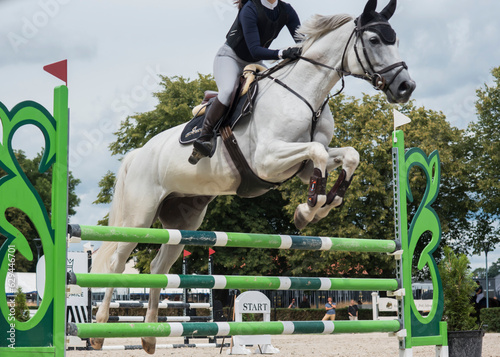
<point x="203" y="146"/>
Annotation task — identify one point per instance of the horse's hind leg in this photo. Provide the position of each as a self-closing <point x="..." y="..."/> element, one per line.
<point x="161" y="264"/>
<point x="118" y="260"/>
<point x="180" y="213"/>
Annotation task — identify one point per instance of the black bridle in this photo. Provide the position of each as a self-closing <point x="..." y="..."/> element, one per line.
<point x="370" y="74"/>
<point x="374" y="77"/>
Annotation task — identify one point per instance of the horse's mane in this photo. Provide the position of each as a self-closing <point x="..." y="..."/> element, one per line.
<point x="319" y="25"/>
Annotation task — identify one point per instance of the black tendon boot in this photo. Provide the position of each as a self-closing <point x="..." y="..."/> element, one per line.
<point x="203" y="146"/>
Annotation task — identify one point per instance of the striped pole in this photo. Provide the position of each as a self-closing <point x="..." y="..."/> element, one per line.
<point x="158" y="347"/>
<point x="228" y="282"/>
<point x="163" y="305"/>
<point x="194" y="329"/>
<point x="160" y="318"/>
<point x="223" y="239"/>
<point x="164" y="347"/>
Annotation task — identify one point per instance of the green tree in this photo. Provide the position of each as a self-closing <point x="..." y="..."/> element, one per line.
<point x="175" y="102"/>
<point x="43" y="184"/>
<point x="479" y="273"/>
<point x="365" y="124"/>
<point x="21" y="310"/>
<point x="484" y="236"/>
<point x="494" y="269"/>
<point x="485" y="146"/>
<point x="482" y="153"/>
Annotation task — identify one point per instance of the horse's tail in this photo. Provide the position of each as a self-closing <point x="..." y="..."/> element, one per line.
<point x="101" y="263"/>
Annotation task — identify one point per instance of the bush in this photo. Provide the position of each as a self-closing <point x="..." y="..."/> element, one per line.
<point x="491" y="318"/>
<point x="458" y="287"/>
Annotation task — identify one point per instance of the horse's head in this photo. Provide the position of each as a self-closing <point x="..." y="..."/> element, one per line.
<point x="375" y="56"/>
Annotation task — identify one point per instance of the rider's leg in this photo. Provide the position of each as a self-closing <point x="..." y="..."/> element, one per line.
<point x="227" y="69"/>
<point x="215" y="112"/>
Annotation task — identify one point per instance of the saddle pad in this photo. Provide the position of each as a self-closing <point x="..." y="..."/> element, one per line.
<point x="192" y="130"/>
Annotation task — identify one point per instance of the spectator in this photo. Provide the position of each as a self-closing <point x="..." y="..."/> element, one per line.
<point x="352" y="310"/>
<point x="292" y="304"/>
<point x="330" y="310"/>
<point x="479" y="292"/>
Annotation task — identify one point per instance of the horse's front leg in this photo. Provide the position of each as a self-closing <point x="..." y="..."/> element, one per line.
<point x="348" y="157"/>
<point x="281" y="156"/>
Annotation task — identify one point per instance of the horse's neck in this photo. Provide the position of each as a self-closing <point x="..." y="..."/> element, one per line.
<point x="315" y="82"/>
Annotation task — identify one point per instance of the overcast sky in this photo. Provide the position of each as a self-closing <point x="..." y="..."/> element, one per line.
<point x="116" y="50"/>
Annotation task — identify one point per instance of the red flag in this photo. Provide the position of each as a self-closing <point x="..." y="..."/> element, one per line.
<point x="186" y="253"/>
<point x="59" y="70"/>
<point x="210" y="251"/>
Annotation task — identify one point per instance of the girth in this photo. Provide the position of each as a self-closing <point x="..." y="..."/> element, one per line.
<point x="251" y="185"/>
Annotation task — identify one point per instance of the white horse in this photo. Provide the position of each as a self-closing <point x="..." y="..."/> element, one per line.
<point x="157" y="182"/>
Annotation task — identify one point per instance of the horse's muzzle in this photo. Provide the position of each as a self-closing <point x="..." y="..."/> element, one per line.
<point x="405" y="90"/>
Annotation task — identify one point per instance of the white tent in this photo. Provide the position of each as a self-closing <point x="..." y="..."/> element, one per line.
<point x="27" y="282"/>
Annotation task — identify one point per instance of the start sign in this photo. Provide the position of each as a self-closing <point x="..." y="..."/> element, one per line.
<point x="252" y="302"/>
<point x="255" y="308"/>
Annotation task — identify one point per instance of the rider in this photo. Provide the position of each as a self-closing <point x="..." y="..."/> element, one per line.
<point x="258" y="23"/>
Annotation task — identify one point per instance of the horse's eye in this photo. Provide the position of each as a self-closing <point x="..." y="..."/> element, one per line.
<point x="374" y="40"/>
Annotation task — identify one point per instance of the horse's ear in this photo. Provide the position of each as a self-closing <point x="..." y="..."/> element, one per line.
<point x="368" y="12"/>
<point x="389" y="9"/>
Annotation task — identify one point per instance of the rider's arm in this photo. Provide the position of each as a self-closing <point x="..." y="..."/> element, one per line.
<point x="293" y="22"/>
<point x="248" y="19"/>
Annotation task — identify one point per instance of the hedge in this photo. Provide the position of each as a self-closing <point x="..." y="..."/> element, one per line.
<point x="490" y="319"/>
<point x="281" y="314"/>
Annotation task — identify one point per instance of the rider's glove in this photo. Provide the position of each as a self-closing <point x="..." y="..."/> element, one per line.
<point x="292" y="53"/>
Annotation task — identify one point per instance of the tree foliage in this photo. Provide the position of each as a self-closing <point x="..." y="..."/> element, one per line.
<point x="43" y="184"/>
<point x="485" y="145"/>
<point x="365" y="124"/>
<point x="21" y="310"/>
<point x="482" y="152"/>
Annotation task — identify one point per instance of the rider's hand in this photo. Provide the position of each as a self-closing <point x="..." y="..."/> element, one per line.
<point x="292" y="53"/>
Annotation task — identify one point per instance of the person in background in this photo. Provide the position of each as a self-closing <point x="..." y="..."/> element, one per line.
<point x="330" y="307"/>
<point x="352" y="310"/>
<point x="479" y="292"/>
<point x="292" y="304"/>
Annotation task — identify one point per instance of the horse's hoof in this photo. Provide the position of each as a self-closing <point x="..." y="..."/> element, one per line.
<point x="300" y="221"/>
<point x="96" y="343"/>
<point x="149" y="346"/>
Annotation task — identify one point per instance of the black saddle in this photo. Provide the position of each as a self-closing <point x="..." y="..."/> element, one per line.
<point x="238" y="110"/>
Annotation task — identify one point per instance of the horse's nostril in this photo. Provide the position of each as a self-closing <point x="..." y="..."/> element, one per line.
<point x="406" y="87"/>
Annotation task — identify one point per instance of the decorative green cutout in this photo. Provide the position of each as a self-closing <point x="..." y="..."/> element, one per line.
<point x="44" y="328"/>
